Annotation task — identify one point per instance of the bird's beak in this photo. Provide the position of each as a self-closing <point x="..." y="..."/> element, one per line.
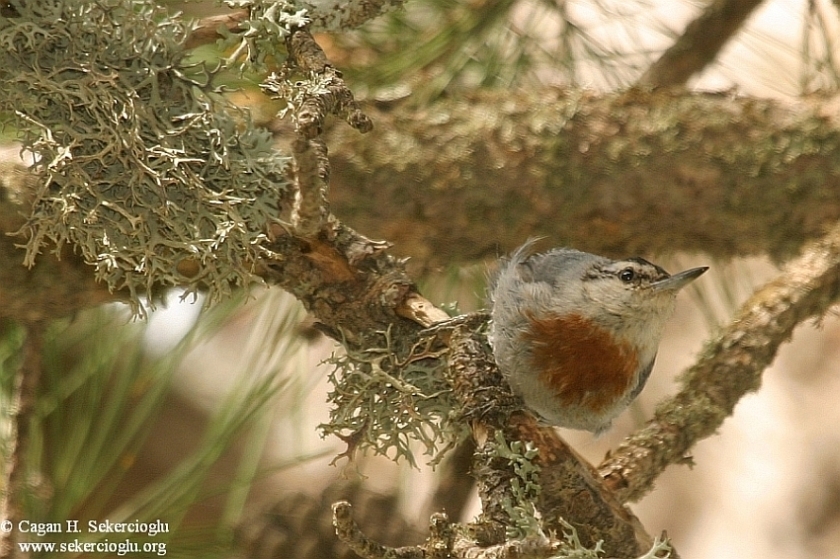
<point x="678" y="281"/>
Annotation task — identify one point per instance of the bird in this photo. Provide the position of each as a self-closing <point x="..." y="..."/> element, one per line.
<point x="576" y="334"/>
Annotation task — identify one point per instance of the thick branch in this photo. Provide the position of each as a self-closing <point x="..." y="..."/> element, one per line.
<point x="730" y="367"/>
<point x="700" y="44"/>
<point x="572" y="491"/>
<point x="349" y="283"/>
<point x="638" y="173"/>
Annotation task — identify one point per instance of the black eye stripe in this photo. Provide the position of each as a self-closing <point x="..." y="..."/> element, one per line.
<point x="630" y="272"/>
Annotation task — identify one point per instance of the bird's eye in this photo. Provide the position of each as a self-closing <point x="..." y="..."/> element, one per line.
<point x="627" y="275"/>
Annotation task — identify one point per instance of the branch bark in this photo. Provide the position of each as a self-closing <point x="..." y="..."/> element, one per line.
<point x="470" y="178"/>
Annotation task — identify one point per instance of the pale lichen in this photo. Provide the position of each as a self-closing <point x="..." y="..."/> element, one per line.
<point x="148" y="172"/>
<point x="388" y="403"/>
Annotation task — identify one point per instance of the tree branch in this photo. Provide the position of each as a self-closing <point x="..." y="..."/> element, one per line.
<point x="559" y="163"/>
<point x="721" y="175"/>
<point x="700" y="43"/>
<point x="206" y="30"/>
<point x="326" y="95"/>
<point x="729" y="368"/>
<point x="350" y="533"/>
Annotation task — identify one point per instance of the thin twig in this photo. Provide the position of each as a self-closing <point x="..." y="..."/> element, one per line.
<point x="311" y="176"/>
<point x="334" y="98"/>
<point x="349" y="532"/>
<point x="311" y="164"/>
<point x="730" y="367"/>
<point x="207" y="29"/>
<point x="700" y="44"/>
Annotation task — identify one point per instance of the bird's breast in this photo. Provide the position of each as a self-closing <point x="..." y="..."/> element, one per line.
<point x="580" y="362"/>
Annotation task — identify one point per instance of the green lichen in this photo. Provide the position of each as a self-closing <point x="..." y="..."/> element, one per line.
<point x="572" y="548"/>
<point x="524" y="487"/>
<point x="389" y="403"/>
<point x="145" y="165"/>
<point x="259" y="41"/>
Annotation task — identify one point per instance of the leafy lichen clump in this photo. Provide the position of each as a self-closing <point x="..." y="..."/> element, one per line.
<point x="524" y="487"/>
<point x="385" y="402"/>
<point x="147" y="170"/>
<point x="260" y="39"/>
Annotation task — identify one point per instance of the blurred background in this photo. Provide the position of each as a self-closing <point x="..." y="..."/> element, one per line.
<point x="210" y="418"/>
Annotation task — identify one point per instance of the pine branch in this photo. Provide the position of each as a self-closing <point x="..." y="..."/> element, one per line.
<point x="576" y="162"/>
<point x="721" y="175"/>
<point x="700" y="43"/>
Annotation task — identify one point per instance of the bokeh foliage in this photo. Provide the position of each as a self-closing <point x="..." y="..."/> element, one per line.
<point x="102" y="391"/>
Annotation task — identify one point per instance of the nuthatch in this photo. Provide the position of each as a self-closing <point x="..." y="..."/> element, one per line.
<point x="576" y="334"/>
